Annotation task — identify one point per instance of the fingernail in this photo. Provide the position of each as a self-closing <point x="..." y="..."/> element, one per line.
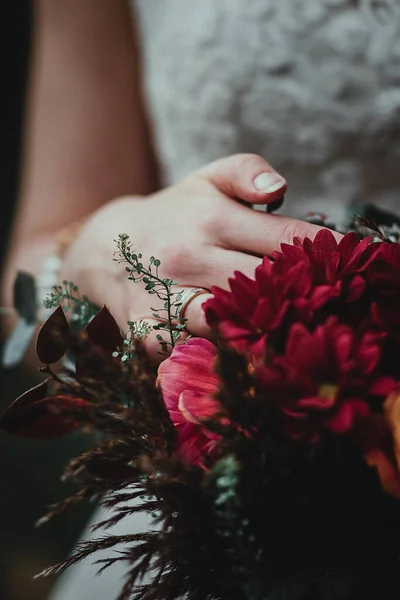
<point x="269" y="182"/>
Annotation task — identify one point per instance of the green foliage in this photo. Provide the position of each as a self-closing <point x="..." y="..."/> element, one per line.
<point x="137" y="330"/>
<point x="154" y="285"/>
<point x="79" y="308"/>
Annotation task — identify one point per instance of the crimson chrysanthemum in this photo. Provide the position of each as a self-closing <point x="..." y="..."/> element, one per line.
<point x="325" y="378"/>
<point x="306" y="283"/>
<point x="383" y="284"/>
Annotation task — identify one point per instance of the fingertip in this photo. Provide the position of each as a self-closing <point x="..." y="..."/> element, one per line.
<point x="246" y="176"/>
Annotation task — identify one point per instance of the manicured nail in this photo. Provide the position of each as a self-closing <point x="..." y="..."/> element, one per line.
<point x="269" y="182"/>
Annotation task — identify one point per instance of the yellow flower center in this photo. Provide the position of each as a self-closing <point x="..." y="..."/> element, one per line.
<point x="328" y="391"/>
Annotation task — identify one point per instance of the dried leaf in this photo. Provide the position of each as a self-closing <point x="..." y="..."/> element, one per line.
<point x="25" y="300"/>
<point x="103" y="331"/>
<point x="103" y="338"/>
<point x="53" y="338"/>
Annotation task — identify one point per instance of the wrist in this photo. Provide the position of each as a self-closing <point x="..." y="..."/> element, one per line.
<point x="48" y="276"/>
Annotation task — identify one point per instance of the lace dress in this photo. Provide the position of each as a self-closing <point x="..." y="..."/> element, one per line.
<point x="312" y="85"/>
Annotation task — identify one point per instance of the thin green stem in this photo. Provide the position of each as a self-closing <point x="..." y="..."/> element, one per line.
<point x="154" y="283"/>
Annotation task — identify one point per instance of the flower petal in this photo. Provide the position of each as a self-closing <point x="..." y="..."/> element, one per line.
<point x="190" y="365"/>
<point x="196" y="407"/>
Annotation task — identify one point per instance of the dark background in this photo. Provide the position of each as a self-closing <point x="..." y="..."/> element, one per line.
<point x="30" y="470"/>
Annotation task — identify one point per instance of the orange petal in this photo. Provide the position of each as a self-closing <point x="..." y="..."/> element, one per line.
<point x="387" y="471"/>
<point x="391" y="409"/>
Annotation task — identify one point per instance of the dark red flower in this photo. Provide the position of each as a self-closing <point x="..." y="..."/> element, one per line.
<point x="324" y="378"/>
<point x="294" y="286"/>
<point x="383" y="282"/>
<point x="332" y="260"/>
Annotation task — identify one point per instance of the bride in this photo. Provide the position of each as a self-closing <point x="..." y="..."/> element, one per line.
<point x="154" y="119"/>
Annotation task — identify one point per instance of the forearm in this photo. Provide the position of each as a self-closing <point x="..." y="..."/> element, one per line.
<point x="86" y="138"/>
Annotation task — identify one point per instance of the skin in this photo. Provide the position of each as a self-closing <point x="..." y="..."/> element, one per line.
<point x="88" y="154"/>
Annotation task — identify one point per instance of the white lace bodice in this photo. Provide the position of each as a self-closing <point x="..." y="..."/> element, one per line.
<point x="312" y="85"/>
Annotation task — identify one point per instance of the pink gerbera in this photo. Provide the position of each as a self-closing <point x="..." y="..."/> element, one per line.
<point x="188" y="382"/>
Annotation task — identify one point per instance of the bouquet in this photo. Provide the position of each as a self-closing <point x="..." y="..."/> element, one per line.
<point x="269" y="456"/>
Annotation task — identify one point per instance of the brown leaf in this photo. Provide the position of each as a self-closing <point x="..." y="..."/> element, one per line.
<point x="53" y="338"/>
<point x="103" y="331"/>
<point x="104" y="337"/>
<point x="25" y="296"/>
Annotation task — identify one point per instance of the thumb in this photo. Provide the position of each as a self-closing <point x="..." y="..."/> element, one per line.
<point x="248" y="177"/>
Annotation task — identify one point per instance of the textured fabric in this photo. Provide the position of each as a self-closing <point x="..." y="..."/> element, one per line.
<point x="314" y="87"/>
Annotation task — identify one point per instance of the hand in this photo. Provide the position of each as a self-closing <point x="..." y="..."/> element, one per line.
<point x="197" y="230"/>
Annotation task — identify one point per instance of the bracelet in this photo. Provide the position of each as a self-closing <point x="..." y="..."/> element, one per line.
<point x="50" y="269"/>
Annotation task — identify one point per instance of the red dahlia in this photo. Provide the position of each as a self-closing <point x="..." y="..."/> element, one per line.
<point x="306" y="283"/>
<point x="325" y="378"/>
